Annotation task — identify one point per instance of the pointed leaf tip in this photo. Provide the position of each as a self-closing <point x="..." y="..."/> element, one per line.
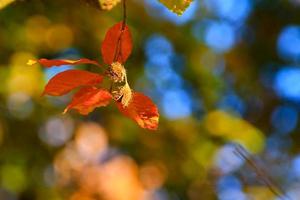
<point x="142" y="110"/>
<point x="31" y="62"/>
<point x="59" y="62"/>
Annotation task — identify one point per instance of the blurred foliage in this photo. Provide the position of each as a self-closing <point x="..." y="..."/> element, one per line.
<point x="224" y="73"/>
<point x="177" y="6"/>
<point x="4" y="3"/>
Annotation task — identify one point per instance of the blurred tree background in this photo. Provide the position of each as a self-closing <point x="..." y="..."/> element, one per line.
<point x="224" y="73"/>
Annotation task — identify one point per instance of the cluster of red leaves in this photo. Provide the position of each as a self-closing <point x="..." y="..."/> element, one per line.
<point x="116" y="47"/>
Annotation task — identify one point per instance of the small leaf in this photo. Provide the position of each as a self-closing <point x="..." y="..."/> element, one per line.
<point x="117" y="44"/>
<point x="89" y="98"/>
<point x="142" y="110"/>
<point x="66" y="81"/>
<point x="52" y="63"/>
<point x="108" y="4"/>
<point x="177" y="6"/>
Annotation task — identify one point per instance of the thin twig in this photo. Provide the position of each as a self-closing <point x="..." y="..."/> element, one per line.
<point x="274" y="188"/>
<point x="124" y="15"/>
<point x="118" y="50"/>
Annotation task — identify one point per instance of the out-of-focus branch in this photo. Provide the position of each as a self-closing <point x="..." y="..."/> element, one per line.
<point x="260" y="172"/>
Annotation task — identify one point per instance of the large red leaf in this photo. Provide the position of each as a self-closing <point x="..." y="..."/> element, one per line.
<point x="89" y="98"/>
<point x="66" y="81"/>
<point x="117" y="44"/>
<point x="142" y="110"/>
<point x="52" y="63"/>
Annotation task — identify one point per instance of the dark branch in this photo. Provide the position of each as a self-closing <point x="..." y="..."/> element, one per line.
<point x="118" y="51"/>
<point x="124" y="15"/>
<point x="261" y="173"/>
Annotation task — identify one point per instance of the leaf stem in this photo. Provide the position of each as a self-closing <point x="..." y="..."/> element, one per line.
<point x="118" y="51"/>
<point x="261" y="173"/>
<point x="124" y="14"/>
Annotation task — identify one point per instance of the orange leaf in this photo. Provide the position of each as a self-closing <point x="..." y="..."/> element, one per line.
<point x="117" y="44"/>
<point x="51" y="63"/>
<point x="66" y="81"/>
<point x="142" y="110"/>
<point x="89" y="98"/>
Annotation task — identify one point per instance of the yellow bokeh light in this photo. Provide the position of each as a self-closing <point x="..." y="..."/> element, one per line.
<point x="13" y="178"/>
<point x="4" y="3"/>
<point x="35" y="30"/>
<point x="23" y="78"/>
<point x="260" y="192"/>
<point x="59" y="37"/>
<point x="235" y="129"/>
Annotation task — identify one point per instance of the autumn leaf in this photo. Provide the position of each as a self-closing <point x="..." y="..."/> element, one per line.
<point x="117" y="44"/>
<point x="142" y="110"/>
<point x="177" y="6"/>
<point x="115" y="49"/>
<point x="52" y="63"/>
<point x="89" y="98"/>
<point x="66" y="81"/>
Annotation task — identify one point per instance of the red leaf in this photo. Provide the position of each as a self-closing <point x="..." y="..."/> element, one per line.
<point x="51" y="63"/>
<point x="116" y="41"/>
<point x="89" y="98"/>
<point x="66" y="81"/>
<point x="142" y="110"/>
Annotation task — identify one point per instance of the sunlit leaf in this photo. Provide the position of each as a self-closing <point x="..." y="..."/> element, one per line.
<point x="108" y="4"/>
<point x="66" y="81"/>
<point x="117" y="44"/>
<point x="142" y="110"/>
<point x="89" y="98"/>
<point x="177" y="6"/>
<point x="52" y="63"/>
